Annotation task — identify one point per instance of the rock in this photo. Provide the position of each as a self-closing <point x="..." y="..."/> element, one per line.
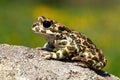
<point x="23" y="63"/>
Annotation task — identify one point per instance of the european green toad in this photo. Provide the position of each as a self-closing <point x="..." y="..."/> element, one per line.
<point x="64" y="43"/>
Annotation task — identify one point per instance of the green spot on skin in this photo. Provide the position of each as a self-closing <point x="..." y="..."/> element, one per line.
<point x="64" y="43"/>
<point x="64" y="52"/>
<point x="96" y="59"/>
<point x="70" y="48"/>
<point x="58" y="54"/>
<point x="59" y="31"/>
<point x="36" y="29"/>
<point x="43" y="31"/>
<point x="93" y="53"/>
<point x="53" y="30"/>
<point x="54" y="50"/>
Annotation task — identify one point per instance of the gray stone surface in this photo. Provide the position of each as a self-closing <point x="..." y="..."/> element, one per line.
<point x="23" y="63"/>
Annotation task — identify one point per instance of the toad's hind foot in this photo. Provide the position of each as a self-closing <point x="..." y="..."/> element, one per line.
<point x="82" y="64"/>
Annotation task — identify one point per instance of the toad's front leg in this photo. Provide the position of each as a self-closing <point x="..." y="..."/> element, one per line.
<point x="60" y="54"/>
<point x="48" y="47"/>
<point x="63" y="48"/>
<point x="63" y="53"/>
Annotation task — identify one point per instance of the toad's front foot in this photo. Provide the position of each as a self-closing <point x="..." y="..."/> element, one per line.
<point x="39" y="48"/>
<point x="46" y="55"/>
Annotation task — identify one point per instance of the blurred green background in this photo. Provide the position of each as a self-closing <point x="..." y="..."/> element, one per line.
<point x="98" y="19"/>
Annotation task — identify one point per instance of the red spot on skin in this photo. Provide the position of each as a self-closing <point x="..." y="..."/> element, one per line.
<point x="58" y="25"/>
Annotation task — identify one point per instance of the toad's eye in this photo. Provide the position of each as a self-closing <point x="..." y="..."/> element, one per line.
<point x="47" y="24"/>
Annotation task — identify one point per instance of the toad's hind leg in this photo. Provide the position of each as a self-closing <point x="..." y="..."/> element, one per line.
<point x="80" y="63"/>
